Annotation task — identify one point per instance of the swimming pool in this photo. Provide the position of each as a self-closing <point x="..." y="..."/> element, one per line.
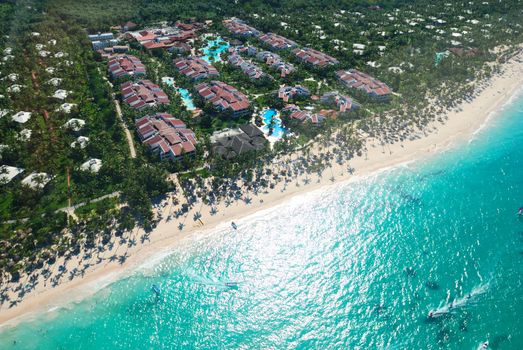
<point x="187" y="99"/>
<point x="184" y="94"/>
<point x="278" y="130"/>
<point x="213" y="49"/>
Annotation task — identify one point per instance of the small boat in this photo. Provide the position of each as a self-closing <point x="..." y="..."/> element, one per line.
<point x="520" y="211"/>
<point x="232" y="285"/>
<point x="156" y="289"/>
<point x="234" y="226"/>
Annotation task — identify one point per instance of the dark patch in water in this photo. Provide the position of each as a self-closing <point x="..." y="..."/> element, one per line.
<point x="498" y="340"/>
<point x="410" y="271"/>
<point x="432" y="285"/>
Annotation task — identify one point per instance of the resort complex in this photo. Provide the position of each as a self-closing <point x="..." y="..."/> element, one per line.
<point x="127" y="126"/>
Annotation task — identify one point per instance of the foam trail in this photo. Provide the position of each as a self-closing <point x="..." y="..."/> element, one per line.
<point x="460" y="302"/>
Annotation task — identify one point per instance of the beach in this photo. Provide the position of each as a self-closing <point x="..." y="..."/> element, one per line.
<point x="459" y="127"/>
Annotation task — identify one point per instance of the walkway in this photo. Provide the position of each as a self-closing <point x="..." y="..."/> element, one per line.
<point x="128" y="135"/>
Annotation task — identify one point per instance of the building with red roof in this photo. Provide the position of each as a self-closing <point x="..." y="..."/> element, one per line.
<point x="224" y="97"/>
<point x="125" y="66"/>
<point x="289" y="92"/>
<point x="195" y="68"/>
<point x="358" y="80"/>
<point x="303" y="116"/>
<point x="143" y="93"/>
<point x="314" y="57"/>
<point x="277" y="42"/>
<point x="166" y="135"/>
<point x="238" y="27"/>
<point x="344" y="103"/>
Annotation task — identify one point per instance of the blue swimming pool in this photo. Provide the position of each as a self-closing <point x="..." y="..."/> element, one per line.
<point x="278" y="130"/>
<point x="213" y="49"/>
<point x="187" y="99"/>
<point x="184" y="94"/>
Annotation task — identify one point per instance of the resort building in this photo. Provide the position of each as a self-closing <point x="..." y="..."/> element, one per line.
<point x="231" y="143"/>
<point x="315" y="57"/>
<point x="180" y="47"/>
<point x="290" y="92"/>
<point x="102" y="40"/>
<point x="166" y="135"/>
<point x="277" y="42"/>
<point x="195" y="68"/>
<point x="161" y="38"/>
<point x="247" y="67"/>
<point x="125" y="66"/>
<point x="344" y="103"/>
<point x="224" y="97"/>
<point x="303" y="116"/>
<point x="353" y="78"/>
<point x="143" y="93"/>
<point x="238" y="27"/>
<point x="274" y="61"/>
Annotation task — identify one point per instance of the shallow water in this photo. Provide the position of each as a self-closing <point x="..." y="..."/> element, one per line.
<point x="355" y="266"/>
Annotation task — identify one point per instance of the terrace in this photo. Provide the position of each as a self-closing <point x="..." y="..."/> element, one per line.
<point x="376" y="89"/>
<point x="125" y="66"/>
<point x="195" y="68"/>
<point x="277" y="42"/>
<point x="315" y="58"/>
<point x="224" y="97"/>
<point x="143" y="93"/>
<point x="166" y="135"/>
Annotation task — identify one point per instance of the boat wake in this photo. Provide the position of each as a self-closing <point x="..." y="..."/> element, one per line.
<point x="459" y="303"/>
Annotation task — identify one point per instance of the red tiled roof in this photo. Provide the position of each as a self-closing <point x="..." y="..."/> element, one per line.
<point x="143" y="92"/>
<point x="195" y="68"/>
<point x="277" y="42"/>
<point x="223" y="96"/>
<point x="359" y="80"/>
<point x="315" y="57"/>
<point x="166" y="133"/>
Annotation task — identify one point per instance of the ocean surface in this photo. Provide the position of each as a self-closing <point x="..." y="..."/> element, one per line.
<point x="354" y="266"/>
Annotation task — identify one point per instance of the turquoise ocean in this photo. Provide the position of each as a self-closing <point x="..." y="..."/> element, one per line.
<point x="357" y="265"/>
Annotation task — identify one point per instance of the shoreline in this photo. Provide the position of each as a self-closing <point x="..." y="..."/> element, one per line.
<point x="460" y="126"/>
